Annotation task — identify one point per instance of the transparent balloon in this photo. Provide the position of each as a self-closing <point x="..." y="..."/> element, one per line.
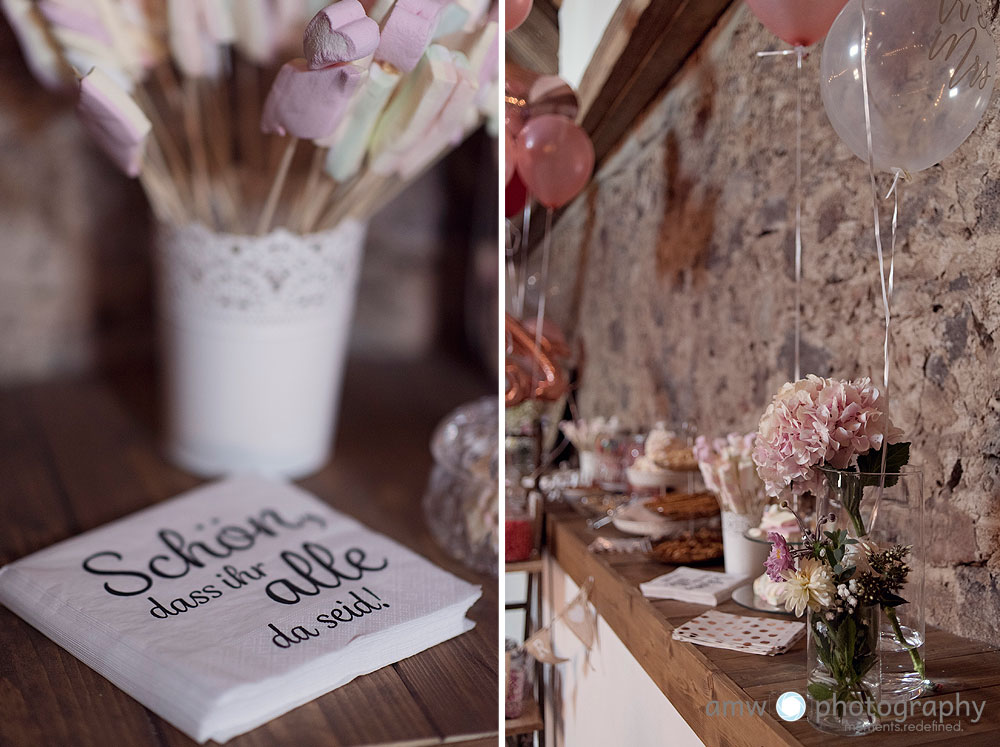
<point x="930" y="68"/>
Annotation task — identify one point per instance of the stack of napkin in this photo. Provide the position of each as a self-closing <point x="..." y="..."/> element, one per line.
<point x="693" y="585"/>
<point x="234" y="603"/>
<point x="752" y="635"/>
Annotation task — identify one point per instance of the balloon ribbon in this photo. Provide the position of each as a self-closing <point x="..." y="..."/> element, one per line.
<point x="799" y="52"/>
<point x="886" y="281"/>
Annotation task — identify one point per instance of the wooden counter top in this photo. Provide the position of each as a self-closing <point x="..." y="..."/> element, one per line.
<point x="693" y="676"/>
<point x="77" y="454"/>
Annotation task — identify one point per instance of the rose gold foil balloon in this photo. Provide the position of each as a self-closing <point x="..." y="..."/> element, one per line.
<point x="550" y="94"/>
<point x="801" y="23"/>
<point x="555" y="159"/>
<point x="526" y="362"/>
<point x="515" y="13"/>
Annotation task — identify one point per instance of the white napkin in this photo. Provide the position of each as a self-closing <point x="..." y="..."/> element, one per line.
<point x="693" y="585"/>
<point x="236" y="602"/>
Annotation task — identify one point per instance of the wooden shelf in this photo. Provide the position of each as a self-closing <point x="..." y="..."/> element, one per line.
<point x="529" y="721"/>
<point x="691" y="676"/>
<point x="524" y="566"/>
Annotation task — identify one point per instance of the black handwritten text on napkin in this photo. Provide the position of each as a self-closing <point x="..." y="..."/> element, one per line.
<point x="310" y="570"/>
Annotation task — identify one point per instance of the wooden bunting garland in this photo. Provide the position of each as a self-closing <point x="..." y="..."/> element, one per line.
<point x="578" y="616"/>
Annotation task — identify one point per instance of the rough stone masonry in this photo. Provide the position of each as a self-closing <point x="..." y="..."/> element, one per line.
<point x="674" y="275"/>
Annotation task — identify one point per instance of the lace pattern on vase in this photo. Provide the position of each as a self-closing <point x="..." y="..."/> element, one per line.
<point x="279" y="277"/>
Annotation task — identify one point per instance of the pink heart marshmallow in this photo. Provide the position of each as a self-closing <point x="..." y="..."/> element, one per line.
<point x="309" y="104"/>
<point x="339" y="33"/>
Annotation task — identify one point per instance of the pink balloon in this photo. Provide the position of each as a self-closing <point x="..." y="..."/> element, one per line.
<point x="515" y="12"/>
<point x="509" y="154"/>
<point x="801" y="23"/>
<point x="555" y="159"/>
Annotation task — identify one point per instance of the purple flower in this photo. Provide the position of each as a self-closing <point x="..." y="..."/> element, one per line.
<point x="780" y="558"/>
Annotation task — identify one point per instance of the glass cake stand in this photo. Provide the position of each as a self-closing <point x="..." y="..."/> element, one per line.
<point x="745" y="597"/>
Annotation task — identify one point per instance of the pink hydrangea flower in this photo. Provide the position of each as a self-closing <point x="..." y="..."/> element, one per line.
<point x="814" y="422"/>
<point x="780" y="559"/>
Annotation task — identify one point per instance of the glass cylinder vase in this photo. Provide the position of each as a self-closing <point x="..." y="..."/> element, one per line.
<point x="888" y="517"/>
<point x="842" y="670"/>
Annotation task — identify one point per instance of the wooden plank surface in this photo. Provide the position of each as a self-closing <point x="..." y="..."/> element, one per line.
<point x="529" y="721"/>
<point x="77" y="454"/>
<point x="535" y="43"/>
<point x="692" y="676"/>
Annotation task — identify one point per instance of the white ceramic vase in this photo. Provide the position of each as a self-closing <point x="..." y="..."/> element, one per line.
<point x="742" y="557"/>
<point x="254" y="334"/>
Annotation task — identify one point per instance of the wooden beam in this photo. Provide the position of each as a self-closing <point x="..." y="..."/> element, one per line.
<point x="535" y="43"/>
<point x="655" y="38"/>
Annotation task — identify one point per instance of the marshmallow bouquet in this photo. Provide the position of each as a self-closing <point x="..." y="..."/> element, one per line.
<point x="183" y="95"/>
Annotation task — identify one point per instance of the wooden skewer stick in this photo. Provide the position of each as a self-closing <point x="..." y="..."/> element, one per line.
<point x="166" y="145"/>
<point x="199" y="160"/>
<point x="315" y="209"/>
<point x="154" y="169"/>
<point x="216" y="137"/>
<point x="264" y="224"/>
<point x="309" y="190"/>
<point x="248" y="114"/>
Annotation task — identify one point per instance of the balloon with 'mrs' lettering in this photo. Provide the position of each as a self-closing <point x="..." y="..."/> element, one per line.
<point x="930" y="68"/>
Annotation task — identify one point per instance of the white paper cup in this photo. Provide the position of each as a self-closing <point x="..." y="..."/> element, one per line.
<point x="742" y="557"/>
<point x="254" y="334"/>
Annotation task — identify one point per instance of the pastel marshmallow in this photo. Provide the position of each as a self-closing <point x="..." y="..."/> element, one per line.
<point x="39" y="52"/>
<point x="407" y="32"/>
<point x="256" y="31"/>
<point x="340" y="33"/>
<point x="377" y="10"/>
<point x="193" y="45"/>
<point x="351" y="140"/>
<point x="114" y="120"/>
<point x="477" y="10"/>
<point x="453" y="20"/>
<point x="75" y="17"/>
<point x="309" y="104"/>
<point x="123" y="38"/>
<point x="448" y="126"/>
<point x="418" y="101"/>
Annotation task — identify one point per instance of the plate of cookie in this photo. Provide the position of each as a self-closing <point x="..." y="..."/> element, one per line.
<point x="698" y="546"/>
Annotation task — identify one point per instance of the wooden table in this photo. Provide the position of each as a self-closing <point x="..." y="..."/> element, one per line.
<point x="77" y="454"/>
<point x="691" y="676"/>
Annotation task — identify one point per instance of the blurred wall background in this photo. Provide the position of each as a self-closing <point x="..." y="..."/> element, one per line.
<point x="75" y="273"/>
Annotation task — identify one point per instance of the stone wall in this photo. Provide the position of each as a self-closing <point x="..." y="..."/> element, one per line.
<point x="674" y="273"/>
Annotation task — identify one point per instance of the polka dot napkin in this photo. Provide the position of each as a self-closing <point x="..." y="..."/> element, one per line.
<point x="754" y="635"/>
